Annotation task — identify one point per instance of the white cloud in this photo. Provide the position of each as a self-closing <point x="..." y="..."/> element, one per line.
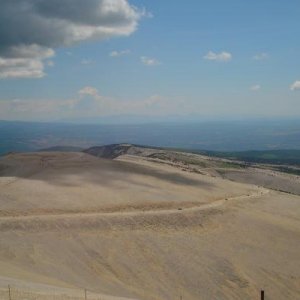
<point x="40" y="109"/>
<point x="88" y="103"/>
<point x="50" y="63"/>
<point x="21" y="68"/>
<point x="87" y="62"/>
<point x="261" y="56"/>
<point x="31" y="30"/>
<point x="88" y="91"/>
<point x="24" y="62"/>
<point x="255" y="87"/>
<point x="119" y="53"/>
<point x="295" y="86"/>
<point x="154" y="99"/>
<point x="147" y="61"/>
<point x="222" y="56"/>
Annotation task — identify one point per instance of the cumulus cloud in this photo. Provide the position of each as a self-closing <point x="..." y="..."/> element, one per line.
<point x="86" y="62"/>
<point x="261" y="56"/>
<point x="41" y="109"/>
<point x="30" y="30"/>
<point x="147" y="61"/>
<point x="24" y="61"/>
<point x="222" y="56"/>
<point x="88" y="91"/>
<point x="50" y="63"/>
<point x="88" y="103"/>
<point x="295" y="86"/>
<point x="119" y="53"/>
<point x="255" y="87"/>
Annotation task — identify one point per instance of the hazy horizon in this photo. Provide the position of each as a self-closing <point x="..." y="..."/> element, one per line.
<point x="239" y="135"/>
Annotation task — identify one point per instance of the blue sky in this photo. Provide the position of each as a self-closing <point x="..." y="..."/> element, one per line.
<point x="211" y="59"/>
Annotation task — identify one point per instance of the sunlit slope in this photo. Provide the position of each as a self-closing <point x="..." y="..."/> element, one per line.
<point x="76" y="182"/>
<point x="144" y="230"/>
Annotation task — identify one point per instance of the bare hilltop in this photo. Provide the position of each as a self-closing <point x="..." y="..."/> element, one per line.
<point x="131" y="222"/>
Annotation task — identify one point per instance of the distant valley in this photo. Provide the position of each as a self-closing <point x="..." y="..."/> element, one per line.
<point x="229" y="136"/>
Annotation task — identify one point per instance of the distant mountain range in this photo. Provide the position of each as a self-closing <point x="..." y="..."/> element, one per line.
<point x="62" y="149"/>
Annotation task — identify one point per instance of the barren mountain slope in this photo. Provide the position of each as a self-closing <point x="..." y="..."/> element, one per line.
<point x="76" y="182"/>
<point x="143" y="229"/>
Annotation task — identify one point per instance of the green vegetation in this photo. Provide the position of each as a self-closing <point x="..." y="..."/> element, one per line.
<point x="278" y="157"/>
<point x="229" y="165"/>
<point x="288" y="170"/>
<point x="175" y="157"/>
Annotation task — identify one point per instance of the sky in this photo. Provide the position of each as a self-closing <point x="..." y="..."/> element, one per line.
<point x="88" y="61"/>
